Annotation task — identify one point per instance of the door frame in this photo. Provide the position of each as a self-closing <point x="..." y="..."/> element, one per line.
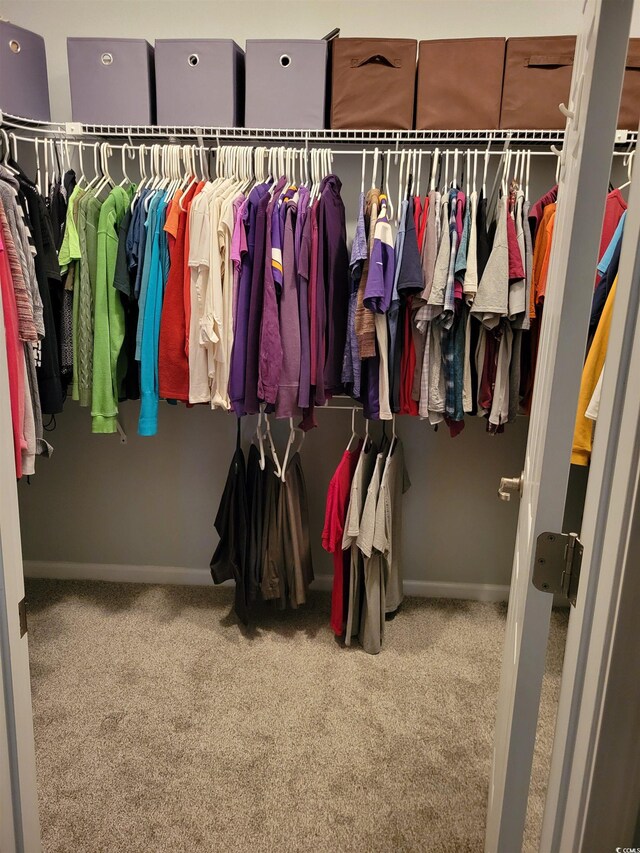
<point x="18" y="772"/>
<point x="594" y="782"/>
<point x="585" y="169"/>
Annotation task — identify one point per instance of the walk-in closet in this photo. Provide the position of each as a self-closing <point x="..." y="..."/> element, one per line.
<point x="317" y="334"/>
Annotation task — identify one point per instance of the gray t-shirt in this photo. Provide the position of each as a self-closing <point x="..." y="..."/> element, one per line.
<point x="388" y="526"/>
<point x="373" y="600"/>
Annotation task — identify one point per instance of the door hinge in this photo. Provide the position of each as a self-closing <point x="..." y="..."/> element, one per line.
<point x="22" y="615"/>
<point x="557" y="564"/>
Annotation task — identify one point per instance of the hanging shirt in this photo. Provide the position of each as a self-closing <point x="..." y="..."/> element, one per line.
<point x="303" y="259"/>
<point x="334" y="522"/>
<point x="255" y="309"/>
<point x="351" y="371"/>
<point x="395" y="352"/>
<point x="150" y="339"/>
<point x="607" y="257"/>
<point x="373" y="610"/>
<point x="288" y="387"/>
<point x="583" y="431"/>
<point x="270" y="361"/>
<point x="173" y="364"/>
<point x="614" y="208"/>
<point x="387" y="536"/>
<point x="359" y="485"/>
<point x="365" y="318"/>
<point x="333" y="269"/>
<point x="229" y="561"/>
<point x="492" y="299"/>
<point x="237" y="379"/>
<point x="15" y="359"/>
<point x="109" y="326"/>
<point x="199" y="262"/>
<point x="377" y="297"/>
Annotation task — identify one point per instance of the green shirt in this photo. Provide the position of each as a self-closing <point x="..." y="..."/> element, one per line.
<point x="108" y="315"/>
<point x="83" y="297"/>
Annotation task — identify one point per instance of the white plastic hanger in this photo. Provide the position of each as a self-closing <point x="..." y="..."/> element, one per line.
<point x="367" y="437"/>
<point x="374" y="174"/>
<point x="468" y="170"/>
<point x="419" y="173"/>
<point x="123" y="159"/>
<point x="36" y="143"/>
<point x="394" y="437"/>
<point x="475" y="171"/>
<point x="105" y="154"/>
<point x="290" y="443"/>
<point x="628" y="162"/>
<point x="272" y="447"/>
<point x="354" y="435"/>
<point x="485" y="169"/>
<point x="400" y="183"/>
<point x="558" y="152"/>
<point x="6" y="151"/>
<point x="434" y="169"/>
<point x="454" y="182"/>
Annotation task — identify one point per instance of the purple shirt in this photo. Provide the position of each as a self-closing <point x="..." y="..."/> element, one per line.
<point x="251" y="400"/>
<point x="238" y="246"/>
<point x="287" y="400"/>
<point x="351" y="367"/>
<point x="333" y="288"/>
<point x="238" y="369"/>
<point x="270" y="356"/>
<point x="377" y="295"/>
<point x="302" y="252"/>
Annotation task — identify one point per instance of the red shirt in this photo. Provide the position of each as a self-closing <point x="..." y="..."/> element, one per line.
<point x="173" y="364"/>
<point x="408" y="406"/>
<point x="334" y="520"/>
<point x="614" y="208"/>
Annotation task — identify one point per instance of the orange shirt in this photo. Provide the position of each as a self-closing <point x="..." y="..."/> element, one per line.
<point x="541" y="256"/>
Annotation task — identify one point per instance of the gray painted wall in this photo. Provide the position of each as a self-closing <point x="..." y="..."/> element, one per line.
<point x="153" y="501"/>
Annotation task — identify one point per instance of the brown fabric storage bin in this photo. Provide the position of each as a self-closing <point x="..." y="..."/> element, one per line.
<point x="629" y="115"/>
<point x="373" y="83"/>
<point x="537" y="77"/>
<point x="446" y="101"/>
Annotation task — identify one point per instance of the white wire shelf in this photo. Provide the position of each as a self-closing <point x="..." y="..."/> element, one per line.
<point x="326" y="136"/>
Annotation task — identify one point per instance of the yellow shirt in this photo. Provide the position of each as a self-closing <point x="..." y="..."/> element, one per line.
<point x="583" y="431"/>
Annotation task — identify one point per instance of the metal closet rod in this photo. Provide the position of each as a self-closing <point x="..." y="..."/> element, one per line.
<point x="86" y="144"/>
<point x="390" y="137"/>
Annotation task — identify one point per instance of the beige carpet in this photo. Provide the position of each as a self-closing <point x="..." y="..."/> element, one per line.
<point x="162" y="727"/>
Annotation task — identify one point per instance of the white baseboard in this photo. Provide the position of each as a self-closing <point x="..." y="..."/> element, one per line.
<point x="182" y="576"/>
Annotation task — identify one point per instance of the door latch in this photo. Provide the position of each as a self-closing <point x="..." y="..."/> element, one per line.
<point x="22" y="616"/>
<point x="509" y="485"/>
<point x="557" y="564"/>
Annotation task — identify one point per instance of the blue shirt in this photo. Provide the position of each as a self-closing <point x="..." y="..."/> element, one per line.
<point x="151" y="313"/>
<point x="605" y="260"/>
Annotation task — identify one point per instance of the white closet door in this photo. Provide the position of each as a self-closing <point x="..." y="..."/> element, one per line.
<point x="594" y="783"/>
<point x="18" y="773"/>
<point x="590" y="135"/>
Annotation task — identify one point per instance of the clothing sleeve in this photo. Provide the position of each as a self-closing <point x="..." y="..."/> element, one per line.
<point x="380" y="278"/>
<point x="380" y="532"/>
<point x="328" y="517"/>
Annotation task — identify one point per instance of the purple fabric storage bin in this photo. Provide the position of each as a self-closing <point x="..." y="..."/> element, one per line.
<point x="199" y="82"/>
<point x="24" y="87"/>
<point x="111" y="81"/>
<point x="286" y="83"/>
